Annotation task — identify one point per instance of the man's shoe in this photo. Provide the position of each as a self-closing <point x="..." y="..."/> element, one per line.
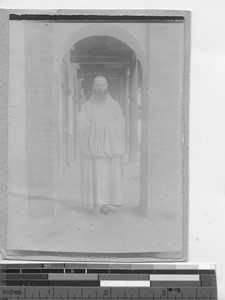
<point x="105" y="210"/>
<point x="95" y="211"/>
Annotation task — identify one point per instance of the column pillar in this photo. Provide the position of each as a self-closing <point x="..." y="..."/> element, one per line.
<point x="126" y="112"/>
<point x="133" y="113"/>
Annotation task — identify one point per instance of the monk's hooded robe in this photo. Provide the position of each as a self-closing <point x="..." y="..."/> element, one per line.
<point x="101" y="135"/>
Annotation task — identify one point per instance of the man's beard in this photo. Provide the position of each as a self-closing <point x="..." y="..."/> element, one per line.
<point x="100" y="95"/>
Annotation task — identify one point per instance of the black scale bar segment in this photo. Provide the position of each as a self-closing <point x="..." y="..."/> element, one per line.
<point x="120" y="271"/>
<point x="26" y="276"/>
<point x="31" y="271"/>
<point x="208" y="280"/>
<point x="74" y="270"/>
<point x="207" y="272"/>
<point x="42" y="270"/>
<point x="89" y="283"/>
<point x="175" y="283"/>
<point x="10" y="266"/>
<point x="25" y="282"/>
<point x="21" y="266"/>
<point x="175" y="272"/>
<point x="6" y="271"/>
<point x="142" y="271"/>
<point x="98" y="271"/>
<point x="52" y="270"/>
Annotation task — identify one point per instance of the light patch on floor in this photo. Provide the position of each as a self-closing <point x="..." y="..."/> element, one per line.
<point x="74" y="229"/>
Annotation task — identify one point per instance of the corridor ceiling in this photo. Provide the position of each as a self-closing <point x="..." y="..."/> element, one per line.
<point x="101" y="55"/>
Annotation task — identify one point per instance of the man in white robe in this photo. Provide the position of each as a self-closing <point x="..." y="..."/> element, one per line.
<point x="101" y="134"/>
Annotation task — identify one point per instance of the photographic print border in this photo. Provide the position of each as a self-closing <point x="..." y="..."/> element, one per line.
<point x="4" y="80"/>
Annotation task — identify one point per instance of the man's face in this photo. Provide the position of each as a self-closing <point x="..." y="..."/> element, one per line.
<point x="100" y="88"/>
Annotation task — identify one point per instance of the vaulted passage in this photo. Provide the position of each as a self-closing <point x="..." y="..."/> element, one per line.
<point x="111" y="58"/>
<point x="118" y="63"/>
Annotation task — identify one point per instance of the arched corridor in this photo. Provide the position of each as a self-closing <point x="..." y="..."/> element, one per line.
<point x="118" y="63"/>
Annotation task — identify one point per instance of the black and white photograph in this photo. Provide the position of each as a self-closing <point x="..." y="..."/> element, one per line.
<point x="97" y="136"/>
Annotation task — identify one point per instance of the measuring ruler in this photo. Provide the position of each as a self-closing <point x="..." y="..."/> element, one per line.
<point x="107" y="281"/>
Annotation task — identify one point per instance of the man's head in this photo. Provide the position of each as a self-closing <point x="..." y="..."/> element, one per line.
<point x="100" y="88"/>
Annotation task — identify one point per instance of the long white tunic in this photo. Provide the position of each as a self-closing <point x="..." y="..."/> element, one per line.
<point x="101" y="135"/>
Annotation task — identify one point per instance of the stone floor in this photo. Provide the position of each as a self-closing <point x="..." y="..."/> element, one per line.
<point x="73" y="229"/>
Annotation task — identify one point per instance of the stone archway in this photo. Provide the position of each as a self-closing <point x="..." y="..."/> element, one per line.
<point x="122" y="36"/>
<point x="112" y="30"/>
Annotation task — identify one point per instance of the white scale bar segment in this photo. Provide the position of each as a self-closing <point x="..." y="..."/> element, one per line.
<point x="125" y="283"/>
<point x="186" y="267"/>
<point x="173" y="277"/>
<point x="207" y="267"/>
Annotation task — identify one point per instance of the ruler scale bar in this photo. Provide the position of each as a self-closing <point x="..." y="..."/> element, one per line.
<point x="107" y="281"/>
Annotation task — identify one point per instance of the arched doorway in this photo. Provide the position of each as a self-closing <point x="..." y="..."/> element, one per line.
<point x="112" y="30"/>
<point x="118" y="63"/>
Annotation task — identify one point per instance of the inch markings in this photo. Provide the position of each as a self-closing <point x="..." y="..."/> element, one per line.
<point x="107" y="293"/>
